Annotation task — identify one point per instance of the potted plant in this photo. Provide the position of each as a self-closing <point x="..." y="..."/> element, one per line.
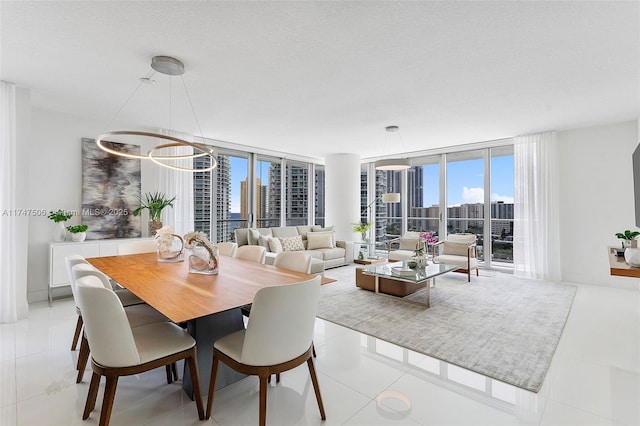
<point x="78" y="232"/>
<point x="154" y="202"/>
<point x="59" y="217"/>
<point x="628" y="238"/>
<point x="362" y="228"/>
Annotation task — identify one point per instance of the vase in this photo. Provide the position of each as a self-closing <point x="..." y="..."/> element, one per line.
<point x="59" y="232"/>
<point x="78" y="237"/>
<point x="154" y="225"/>
<point x="421" y="261"/>
<point x="203" y="259"/>
<point x="632" y="256"/>
<point x="170" y="248"/>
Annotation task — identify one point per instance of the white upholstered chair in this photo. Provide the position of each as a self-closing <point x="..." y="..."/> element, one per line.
<point x="293" y="260"/>
<point x="403" y="248"/>
<point x="227" y="248"/>
<point x="136" y="247"/>
<point x="137" y="315"/>
<point x="251" y="253"/>
<point x="126" y="297"/>
<point x="139" y="349"/>
<point x="278" y="338"/>
<point x="458" y="249"/>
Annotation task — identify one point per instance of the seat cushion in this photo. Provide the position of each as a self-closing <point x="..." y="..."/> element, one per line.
<point x="456" y="260"/>
<point x="331" y="253"/>
<point x="158" y="340"/>
<point x="401" y="254"/>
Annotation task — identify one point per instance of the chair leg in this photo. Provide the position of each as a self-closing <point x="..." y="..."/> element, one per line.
<point x="195" y="381"/>
<point x="107" y="401"/>
<point x="212" y="387"/>
<point x="313" y="350"/>
<point x="316" y="387"/>
<point x="76" y="335"/>
<point x="83" y="357"/>
<point x="169" y="374"/>
<point x="92" y="395"/>
<point x="263" y="401"/>
<point x="174" y="370"/>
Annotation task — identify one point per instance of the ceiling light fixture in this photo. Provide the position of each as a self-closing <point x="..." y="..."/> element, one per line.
<point x="168" y="66"/>
<point x="392" y="163"/>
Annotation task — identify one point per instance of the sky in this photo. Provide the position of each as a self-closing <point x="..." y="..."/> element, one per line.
<point x="465" y="181"/>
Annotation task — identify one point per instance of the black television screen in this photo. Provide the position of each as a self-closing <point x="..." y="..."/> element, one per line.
<point x="636" y="182"/>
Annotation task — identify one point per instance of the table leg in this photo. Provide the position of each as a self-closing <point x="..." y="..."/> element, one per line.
<point x="206" y="330"/>
<point x="428" y="291"/>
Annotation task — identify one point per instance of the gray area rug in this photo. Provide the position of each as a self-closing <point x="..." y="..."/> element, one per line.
<point x="499" y="326"/>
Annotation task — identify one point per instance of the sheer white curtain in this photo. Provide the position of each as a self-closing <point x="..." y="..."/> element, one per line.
<point x="536" y="246"/>
<point x="13" y="291"/>
<point x="178" y="183"/>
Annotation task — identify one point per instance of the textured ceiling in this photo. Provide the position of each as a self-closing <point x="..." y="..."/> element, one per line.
<point x="316" y="78"/>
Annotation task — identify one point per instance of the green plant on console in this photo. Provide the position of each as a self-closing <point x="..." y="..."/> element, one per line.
<point x="154" y="202"/>
<point x="362" y="227"/>
<point x="60" y="216"/>
<point x="627" y="235"/>
<point x="76" y="229"/>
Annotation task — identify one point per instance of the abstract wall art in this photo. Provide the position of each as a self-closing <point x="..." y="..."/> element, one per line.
<point x="110" y="191"/>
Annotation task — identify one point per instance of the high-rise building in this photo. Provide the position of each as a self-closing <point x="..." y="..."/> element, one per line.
<point x="260" y="198"/>
<point x="224" y="232"/>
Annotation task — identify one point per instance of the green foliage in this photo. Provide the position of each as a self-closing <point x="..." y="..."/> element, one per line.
<point x="362" y="227"/>
<point x="60" y="216"/>
<point x="76" y="229"/>
<point x="627" y="235"/>
<point x="154" y="202"/>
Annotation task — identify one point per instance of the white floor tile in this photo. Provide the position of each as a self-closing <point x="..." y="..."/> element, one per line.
<point x="594" y="379"/>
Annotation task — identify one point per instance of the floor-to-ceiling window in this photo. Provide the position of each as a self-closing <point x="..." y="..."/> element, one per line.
<point x="268" y="192"/>
<point x="502" y="191"/>
<point x="423" y="195"/>
<point x="319" y="195"/>
<point x="389" y="215"/>
<point x="297" y="193"/>
<point x="465" y="194"/>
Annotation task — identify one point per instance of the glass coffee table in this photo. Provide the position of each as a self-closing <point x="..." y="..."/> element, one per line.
<point x="399" y="272"/>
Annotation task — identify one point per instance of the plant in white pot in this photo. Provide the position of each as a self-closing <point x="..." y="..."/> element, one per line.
<point x="628" y="238"/>
<point x="59" y="217"/>
<point x="78" y="232"/>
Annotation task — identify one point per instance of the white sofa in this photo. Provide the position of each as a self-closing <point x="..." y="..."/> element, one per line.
<point x="325" y="251"/>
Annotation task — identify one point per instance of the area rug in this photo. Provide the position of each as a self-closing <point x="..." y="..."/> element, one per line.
<point x="502" y="327"/>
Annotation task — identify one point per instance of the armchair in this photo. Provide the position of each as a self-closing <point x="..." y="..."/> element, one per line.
<point x="406" y="246"/>
<point x="458" y="249"/>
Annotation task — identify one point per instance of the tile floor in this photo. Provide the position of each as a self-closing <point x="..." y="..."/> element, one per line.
<point x="594" y="379"/>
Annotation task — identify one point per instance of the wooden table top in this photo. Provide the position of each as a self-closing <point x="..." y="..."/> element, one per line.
<point x="182" y="296"/>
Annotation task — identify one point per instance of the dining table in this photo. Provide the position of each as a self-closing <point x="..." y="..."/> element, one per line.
<point x="209" y="305"/>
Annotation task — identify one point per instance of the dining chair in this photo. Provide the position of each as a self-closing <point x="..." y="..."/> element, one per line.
<point x="139" y="349"/>
<point x="125" y="296"/>
<point x="227" y="248"/>
<point x="136" y="247"/>
<point x="294" y="261"/>
<point x="251" y="253"/>
<point x="137" y="315"/>
<point x="278" y="338"/>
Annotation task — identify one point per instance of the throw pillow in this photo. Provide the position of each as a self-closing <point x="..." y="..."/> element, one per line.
<point x="274" y="245"/>
<point x="292" y="243"/>
<point x="319" y="240"/>
<point x="332" y="233"/>
<point x="264" y="242"/>
<point x="252" y="236"/>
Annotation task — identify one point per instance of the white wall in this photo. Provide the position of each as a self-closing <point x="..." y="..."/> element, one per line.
<point x="342" y="193"/>
<point x="596" y="192"/>
<point x="596" y="199"/>
<point x="54" y="181"/>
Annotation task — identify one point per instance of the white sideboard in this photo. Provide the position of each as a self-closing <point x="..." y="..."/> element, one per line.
<point x="92" y="248"/>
